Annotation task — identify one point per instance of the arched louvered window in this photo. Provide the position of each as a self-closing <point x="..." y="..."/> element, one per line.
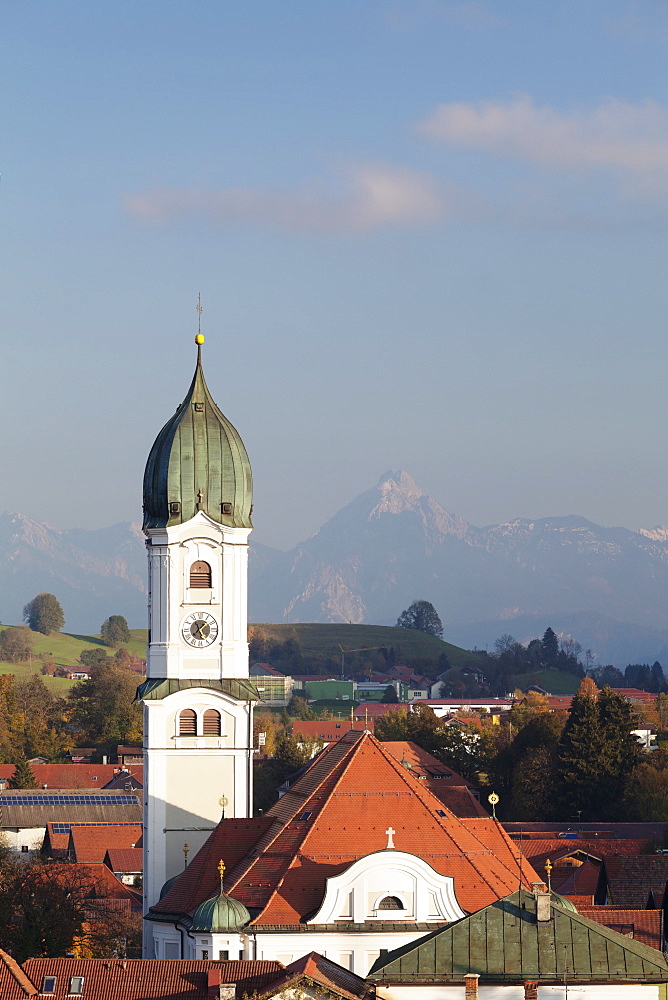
<point x="211" y="722"/>
<point x="188" y="722"/>
<point x="390" y="903"/>
<point x="200" y="574"/>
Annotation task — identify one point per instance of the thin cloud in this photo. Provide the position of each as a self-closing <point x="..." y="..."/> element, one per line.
<point x="373" y="195"/>
<point x="632" y="138"/>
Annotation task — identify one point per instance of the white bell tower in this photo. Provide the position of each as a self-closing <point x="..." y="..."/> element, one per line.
<point x="197" y="697"/>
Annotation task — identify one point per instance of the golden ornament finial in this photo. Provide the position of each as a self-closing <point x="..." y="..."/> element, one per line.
<point x="186" y="849"/>
<point x="548" y="868"/>
<point x="221" y="872"/>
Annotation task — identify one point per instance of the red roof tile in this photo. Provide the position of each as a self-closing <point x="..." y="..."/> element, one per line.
<point x="124" y="859"/>
<point x="150" y="979"/>
<point x="323" y="973"/>
<point x="563" y="847"/>
<point x="13" y="980"/>
<point x="335" y="813"/>
<point x="327" y="730"/>
<point x="641" y="925"/>
<point x="74" y="775"/>
<point x="89" y="844"/>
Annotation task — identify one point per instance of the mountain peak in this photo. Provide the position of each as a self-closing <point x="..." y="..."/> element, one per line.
<point x="399" y="482"/>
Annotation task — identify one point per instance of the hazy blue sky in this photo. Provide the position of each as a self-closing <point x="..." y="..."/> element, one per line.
<point x="428" y="235"/>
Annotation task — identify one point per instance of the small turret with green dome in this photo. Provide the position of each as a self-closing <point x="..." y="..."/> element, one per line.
<point x="198" y="462"/>
<point x="221" y="914"/>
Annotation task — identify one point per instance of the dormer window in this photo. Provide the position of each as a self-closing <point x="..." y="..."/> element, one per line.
<point x="200" y="574"/>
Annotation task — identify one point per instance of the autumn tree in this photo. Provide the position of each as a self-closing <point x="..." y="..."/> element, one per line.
<point x="42" y="907"/>
<point x="292" y="753"/>
<point x="104" y="712"/>
<point x="44" y="614"/>
<point x="115" y="631"/>
<point x="15" y="644"/>
<point x="298" y="708"/>
<point x="422" y="616"/>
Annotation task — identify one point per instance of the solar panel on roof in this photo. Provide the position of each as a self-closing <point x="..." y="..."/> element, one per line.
<point x="66" y="827"/>
<point x="72" y="800"/>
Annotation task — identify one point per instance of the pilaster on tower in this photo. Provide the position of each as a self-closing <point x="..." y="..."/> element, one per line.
<point x="197" y="697"/>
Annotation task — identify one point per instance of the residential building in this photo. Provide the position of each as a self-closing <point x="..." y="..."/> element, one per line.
<point x="25" y="813"/>
<point x="273" y="687"/>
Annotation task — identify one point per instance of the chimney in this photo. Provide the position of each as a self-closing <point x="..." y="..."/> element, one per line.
<point x="104" y="758"/>
<point x="543" y="901"/>
<point x="530" y="990"/>
<point x="471" y="985"/>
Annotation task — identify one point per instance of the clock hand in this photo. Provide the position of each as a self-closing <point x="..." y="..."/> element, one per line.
<point x="199" y="629"/>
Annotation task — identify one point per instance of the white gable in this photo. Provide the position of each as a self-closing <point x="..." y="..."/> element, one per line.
<point x="389" y="885"/>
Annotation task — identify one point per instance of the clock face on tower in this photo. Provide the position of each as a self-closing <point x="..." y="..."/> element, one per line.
<point x="199" y="629"/>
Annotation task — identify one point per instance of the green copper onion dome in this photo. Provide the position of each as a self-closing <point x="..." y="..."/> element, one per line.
<point x="220" y="915"/>
<point x="198" y="462"/>
<point x="566" y="904"/>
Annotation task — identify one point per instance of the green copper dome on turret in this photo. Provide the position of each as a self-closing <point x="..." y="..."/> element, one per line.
<point x="198" y="462"/>
<point x="220" y="915"/>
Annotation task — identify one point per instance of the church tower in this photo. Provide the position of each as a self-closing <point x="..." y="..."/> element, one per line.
<point x="197" y="697"/>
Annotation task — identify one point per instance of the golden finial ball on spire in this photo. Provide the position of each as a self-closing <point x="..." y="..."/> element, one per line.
<point x="199" y="339"/>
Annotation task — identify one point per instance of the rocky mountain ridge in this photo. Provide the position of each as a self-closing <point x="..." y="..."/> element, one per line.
<point x="388" y="546"/>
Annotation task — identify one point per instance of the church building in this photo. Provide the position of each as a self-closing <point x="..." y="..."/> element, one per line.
<point x="359" y="855"/>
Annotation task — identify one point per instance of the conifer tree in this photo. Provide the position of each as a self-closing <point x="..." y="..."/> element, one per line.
<point x="579" y="753"/>
<point x="23" y="776"/>
<point x="596" y="754"/>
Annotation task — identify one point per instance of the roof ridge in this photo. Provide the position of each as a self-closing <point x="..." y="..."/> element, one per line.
<point x="18" y="974"/>
<point x="422" y="792"/>
<point x="277" y="828"/>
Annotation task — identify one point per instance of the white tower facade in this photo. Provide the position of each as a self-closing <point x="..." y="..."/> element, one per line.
<point x="197" y="697"/>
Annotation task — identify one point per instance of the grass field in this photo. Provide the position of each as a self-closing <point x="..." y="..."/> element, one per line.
<point x="65" y="648"/>
<point x="554" y="681"/>
<point x="327" y="639"/>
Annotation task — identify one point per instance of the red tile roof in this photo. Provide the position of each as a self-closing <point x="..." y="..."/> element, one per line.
<point x="641" y="925"/>
<point x="373" y="709"/>
<point x="13" y="980"/>
<point x="124" y="859"/>
<point x="324" y="974"/>
<point x="89" y="844"/>
<point x="448" y="786"/>
<point x="636" y="694"/>
<point x="637" y="882"/>
<point x="74" y="775"/>
<point x="150" y="979"/>
<point x="327" y="730"/>
<point x="336" y="813"/>
<point x="563" y="847"/>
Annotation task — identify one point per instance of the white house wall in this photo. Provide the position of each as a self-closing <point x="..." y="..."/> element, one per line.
<point x="624" y="991"/>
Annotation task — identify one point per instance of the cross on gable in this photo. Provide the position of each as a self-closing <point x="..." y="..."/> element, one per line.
<point x="390" y="842"/>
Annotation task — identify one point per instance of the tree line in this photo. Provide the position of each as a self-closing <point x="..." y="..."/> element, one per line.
<point x="580" y="765"/>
